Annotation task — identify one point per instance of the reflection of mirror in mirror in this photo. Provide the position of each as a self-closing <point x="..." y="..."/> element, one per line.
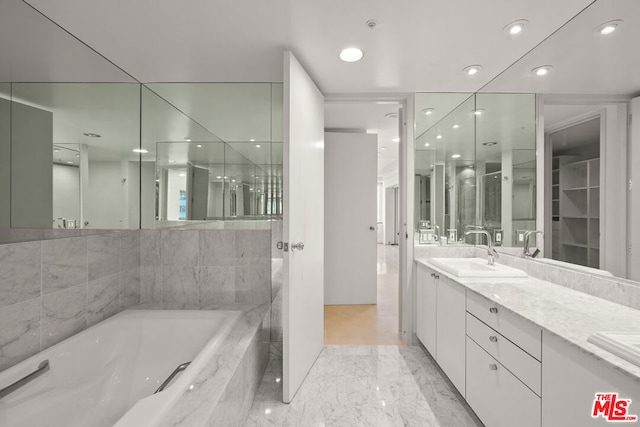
<point x="72" y="159"/>
<point x="475" y="163"/>
<point x="584" y="103"/>
<point x="226" y="141"/>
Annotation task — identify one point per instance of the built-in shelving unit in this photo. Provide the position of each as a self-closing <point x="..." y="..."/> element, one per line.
<point x="578" y="210"/>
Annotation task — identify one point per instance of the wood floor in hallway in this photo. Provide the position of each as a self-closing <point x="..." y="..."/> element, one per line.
<point x="369" y="324"/>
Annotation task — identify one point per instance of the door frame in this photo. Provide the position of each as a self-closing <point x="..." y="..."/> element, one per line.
<point x="405" y="185"/>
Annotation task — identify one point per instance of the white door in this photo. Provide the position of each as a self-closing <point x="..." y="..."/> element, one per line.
<point x="303" y="222"/>
<point x="350" y="218"/>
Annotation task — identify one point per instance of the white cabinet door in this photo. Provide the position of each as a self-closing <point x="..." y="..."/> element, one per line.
<point x="496" y="396"/>
<point x="426" y="309"/>
<point x="450" y="331"/>
<point x="570" y="381"/>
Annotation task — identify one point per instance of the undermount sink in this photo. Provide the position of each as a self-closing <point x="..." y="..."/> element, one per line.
<point x="623" y="344"/>
<point x="475" y="267"/>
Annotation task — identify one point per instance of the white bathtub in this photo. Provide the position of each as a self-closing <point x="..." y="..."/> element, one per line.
<point x="107" y="374"/>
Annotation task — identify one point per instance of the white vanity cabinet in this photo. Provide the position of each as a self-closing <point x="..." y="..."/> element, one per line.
<point x="450" y="330"/>
<point x="503" y="365"/>
<point x="441" y="322"/>
<point x="426" y="308"/>
<point x="570" y="381"/>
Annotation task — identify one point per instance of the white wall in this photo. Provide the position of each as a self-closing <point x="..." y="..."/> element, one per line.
<point x="31" y="167"/>
<point x="5" y="163"/>
<point x="66" y="192"/>
<point x="107" y="196"/>
<point x="633" y="269"/>
<point x="175" y="184"/>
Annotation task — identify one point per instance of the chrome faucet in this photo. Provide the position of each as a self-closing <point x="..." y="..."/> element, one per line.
<point x="525" y="251"/>
<point x="438" y="237"/>
<point x="491" y="252"/>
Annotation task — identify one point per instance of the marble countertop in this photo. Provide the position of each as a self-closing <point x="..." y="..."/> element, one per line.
<point x="196" y="404"/>
<point x="571" y="315"/>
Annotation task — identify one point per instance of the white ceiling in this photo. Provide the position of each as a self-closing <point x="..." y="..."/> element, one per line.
<point x="417" y="45"/>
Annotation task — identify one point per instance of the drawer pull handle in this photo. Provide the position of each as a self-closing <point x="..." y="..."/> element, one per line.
<point x="437" y="276"/>
<point x="493" y="367"/>
<point x="433" y="274"/>
<point x="493" y="310"/>
<point x="493" y="339"/>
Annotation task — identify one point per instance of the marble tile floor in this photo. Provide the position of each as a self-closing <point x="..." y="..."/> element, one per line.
<point x="363" y="386"/>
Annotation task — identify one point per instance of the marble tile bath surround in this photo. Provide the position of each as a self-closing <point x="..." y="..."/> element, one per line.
<point x="52" y="289"/>
<point x="206" y="266"/>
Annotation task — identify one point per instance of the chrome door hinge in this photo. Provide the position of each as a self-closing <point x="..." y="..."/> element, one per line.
<point x="283" y="246"/>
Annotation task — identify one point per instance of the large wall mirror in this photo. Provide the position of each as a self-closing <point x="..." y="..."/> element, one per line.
<point x="475" y="167"/>
<point x="211" y="151"/>
<point x="586" y="76"/>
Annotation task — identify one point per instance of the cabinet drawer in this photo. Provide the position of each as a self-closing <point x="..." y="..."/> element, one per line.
<point x="497" y="397"/>
<point x="520" y="363"/>
<point x="524" y="334"/>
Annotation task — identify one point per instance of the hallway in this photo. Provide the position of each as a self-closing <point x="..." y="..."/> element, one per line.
<point x="369" y="324"/>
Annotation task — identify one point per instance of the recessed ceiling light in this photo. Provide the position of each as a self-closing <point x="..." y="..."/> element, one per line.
<point x="182" y="175"/>
<point x="69" y="163"/>
<point x="514" y="28"/>
<point x="489" y="143"/>
<point x="396" y="139"/>
<point x="187" y="139"/>
<point x="199" y="145"/>
<point x="257" y="145"/>
<point x="608" y="27"/>
<point x="218" y="177"/>
<point x="478" y="111"/>
<point x="426" y="144"/>
<point x="439" y="137"/>
<point x="456" y="126"/>
<point x="233" y="180"/>
<point x="472" y="70"/>
<point x="252" y="140"/>
<point x="140" y="150"/>
<point x="351" y="54"/>
<point x="455" y="156"/>
<point x="225" y="177"/>
<point x="383" y="148"/>
<point x="391" y="115"/>
<point x="542" y="70"/>
<point x="428" y="111"/>
<point x="92" y="135"/>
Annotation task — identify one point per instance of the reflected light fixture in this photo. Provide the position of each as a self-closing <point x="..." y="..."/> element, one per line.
<point x="182" y="175"/>
<point x="252" y="140"/>
<point x="187" y="139"/>
<point x="218" y="177"/>
<point x="69" y="163"/>
<point x="172" y="161"/>
<point x="428" y="111"/>
<point x="426" y="144"/>
<point x="439" y="137"/>
<point x="472" y="70"/>
<point x="257" y="145"/>
<point x="351" y="54"/>
<point x="455" y="156"/>
<point x="543" y="70"/>
<point x="140" y="150"/>
<point x="56" y="150"/>
<point x="396" y="139"/>
<point x="225" y="177"/>
<point x="608" y="27"/>
<point x="514" y="28"/>
<point x="477" y="111"/>
<point x="456" y="126"/>
<point x="92" y="135"/>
